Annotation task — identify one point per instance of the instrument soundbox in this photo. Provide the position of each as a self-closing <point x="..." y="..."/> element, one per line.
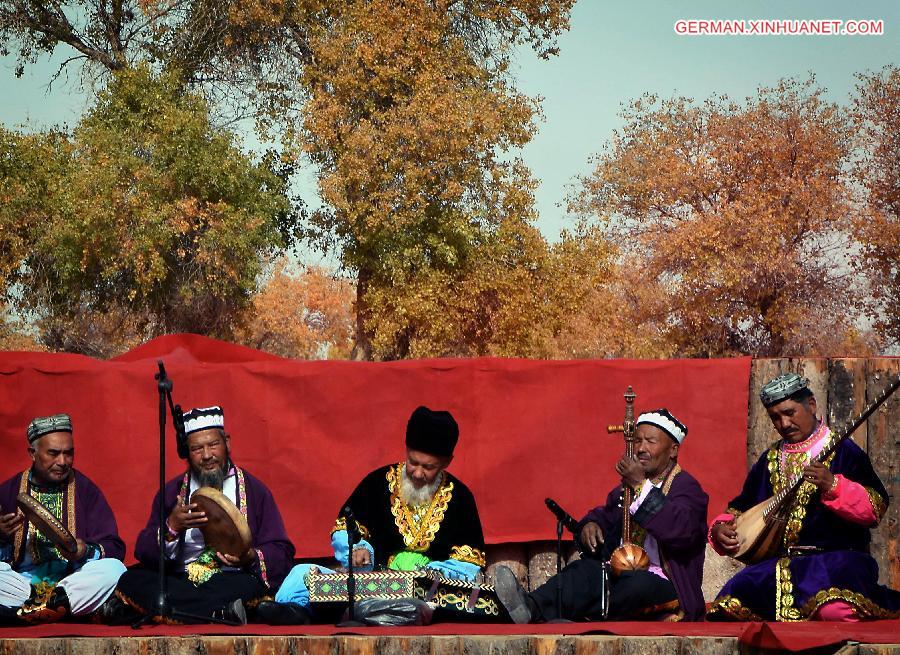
<point x="45" y="523"/>
<point x="760" y="530"/>
<point x="226" y="529"/>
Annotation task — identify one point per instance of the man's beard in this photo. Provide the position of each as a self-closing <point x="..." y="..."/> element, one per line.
<point x="411" y="495"/>
<point x="214" y="478"/>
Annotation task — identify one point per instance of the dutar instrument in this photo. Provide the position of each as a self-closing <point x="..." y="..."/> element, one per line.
<point x="628" y="556"/>
<point x="760" y="530"/>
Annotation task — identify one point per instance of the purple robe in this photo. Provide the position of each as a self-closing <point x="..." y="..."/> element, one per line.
<point x="837" y="567"/>
<point x="275" y="552"/>
<point x="93" y="518"/>
<point x="677" y="520"/>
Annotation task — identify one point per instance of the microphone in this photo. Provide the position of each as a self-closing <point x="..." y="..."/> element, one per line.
<point x="352" y="531"/>
<point x="562" y="515"/>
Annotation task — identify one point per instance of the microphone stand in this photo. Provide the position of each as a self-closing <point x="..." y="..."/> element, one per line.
<point x="353" y="537"/>
<point x="559" y="531"/>
<point x="163" y="609"/>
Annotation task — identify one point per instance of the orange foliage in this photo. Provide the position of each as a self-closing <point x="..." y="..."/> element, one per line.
<point x="303" y="313"/>
<point x="736" y="216"/>
<point x="877" y="116"/>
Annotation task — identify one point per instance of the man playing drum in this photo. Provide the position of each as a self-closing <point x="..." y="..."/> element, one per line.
<point x="822" y="569"/>
<point x="411" y="515"/>
<point x="41" y="581"/>
<point x="203" y="581"/>
<point x="668" y="519"/>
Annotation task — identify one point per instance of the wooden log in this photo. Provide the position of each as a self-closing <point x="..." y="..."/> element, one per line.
<point x="883" y="439"/>
<point x="541" y="563"/>
<point x="846" y="395"/>
<point x="760" y="433"/>
<point x="514" y="556"/>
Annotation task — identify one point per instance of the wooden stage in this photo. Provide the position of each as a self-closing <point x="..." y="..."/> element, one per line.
<point x="874" y="638"/>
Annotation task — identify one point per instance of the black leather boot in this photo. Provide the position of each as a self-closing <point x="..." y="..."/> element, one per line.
<point x="268" y="611"/>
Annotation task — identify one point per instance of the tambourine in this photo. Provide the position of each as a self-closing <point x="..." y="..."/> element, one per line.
<point x="45" y="523"/>
<point x="226" y="530"/>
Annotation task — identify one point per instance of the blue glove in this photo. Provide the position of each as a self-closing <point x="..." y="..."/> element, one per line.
<point x="456" y="570"/>
<point x="342" y="550"/>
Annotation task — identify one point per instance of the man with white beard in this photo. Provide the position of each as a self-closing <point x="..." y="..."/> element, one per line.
<point x="410" y="515"/>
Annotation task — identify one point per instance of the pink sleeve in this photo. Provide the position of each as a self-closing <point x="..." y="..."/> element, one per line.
<point x="849" y="500"/>
<point x="721" y="518"/>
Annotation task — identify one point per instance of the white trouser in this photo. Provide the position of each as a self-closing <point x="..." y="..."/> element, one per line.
<point x="87" y="588"/>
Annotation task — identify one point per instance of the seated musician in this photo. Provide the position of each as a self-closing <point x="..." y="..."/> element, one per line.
<point x="668" y="521"/>
<point x="822" y="569"/>
<point x="410" y="515"/>
<point x="201" y="581"/>
<point x="39" y="581"/>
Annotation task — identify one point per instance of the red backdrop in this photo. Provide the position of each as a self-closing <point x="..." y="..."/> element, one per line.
<point x="311" y="430"/>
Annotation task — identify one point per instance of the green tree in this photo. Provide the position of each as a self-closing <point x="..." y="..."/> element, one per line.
<point x="411" y="119"/>
<point x="147" y="213"/>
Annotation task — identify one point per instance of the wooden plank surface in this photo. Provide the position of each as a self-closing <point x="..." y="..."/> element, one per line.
<point x="884" y="433"/>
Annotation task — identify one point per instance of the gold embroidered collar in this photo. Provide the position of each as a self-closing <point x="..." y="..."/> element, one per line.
<point x="418" y="533"/>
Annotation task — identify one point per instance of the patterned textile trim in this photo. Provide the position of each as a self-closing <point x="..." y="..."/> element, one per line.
<point x="784" y="592"/>
<point x="798" y="509"/>
<point x="20" y="533"/>
<point x="262" y="566"/>
<point x="418" y="535"/>
<point x="341" y="524"/>
<point x="40" y="547"/>
<point x="732" y="608"/>
<point x="70" y="497"/>
<point x="865" y="608"/>
<point x="878" y="504"/>
<point x="468" y="554"/>
<point x="133" y="605"/>
<point x="667" y="485"/>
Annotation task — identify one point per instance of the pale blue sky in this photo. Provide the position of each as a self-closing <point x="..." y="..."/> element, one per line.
<point x="614" y="52"/>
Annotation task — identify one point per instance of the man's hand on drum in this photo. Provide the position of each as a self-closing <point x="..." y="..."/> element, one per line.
<point x="234" y="560"/>
<point x="185" y="517"/>
<point x="9" y="523"/>
<point x="724" y="534"/>
<point x="591" y="536"/>
<point x="361" y="557"/>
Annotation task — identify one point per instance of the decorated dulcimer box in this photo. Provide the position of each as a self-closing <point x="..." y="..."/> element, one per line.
<point x="477" y="599"/>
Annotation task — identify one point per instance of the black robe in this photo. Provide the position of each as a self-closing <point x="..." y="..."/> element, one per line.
<point x="450" y="530"/>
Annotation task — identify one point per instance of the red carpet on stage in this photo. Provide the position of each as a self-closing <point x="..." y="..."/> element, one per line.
<point x="311" y="430"/>
<point x="780" y="636"/>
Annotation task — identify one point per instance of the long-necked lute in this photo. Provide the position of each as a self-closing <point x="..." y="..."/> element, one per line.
<point x="628" y="556"/>
<point x="760" y="530"/>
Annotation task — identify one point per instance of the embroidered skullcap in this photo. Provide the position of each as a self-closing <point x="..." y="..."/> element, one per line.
<point x="204" y="418"/>
<point x="47" y="424"/>
<point x="782" y="387"/>
<point x="664" y="420"/>
<point x="432" y="432"/>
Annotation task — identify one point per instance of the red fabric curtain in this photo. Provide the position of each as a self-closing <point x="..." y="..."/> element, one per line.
<point x="311" y="430"/>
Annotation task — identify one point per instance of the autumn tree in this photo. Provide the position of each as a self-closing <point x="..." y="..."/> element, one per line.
<point x="737" y="214"/>
<point x="412" y="122"/>
<point x="877" y="117"/>
<point x="146" y="212"/>
<point x="302" y="312"/>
